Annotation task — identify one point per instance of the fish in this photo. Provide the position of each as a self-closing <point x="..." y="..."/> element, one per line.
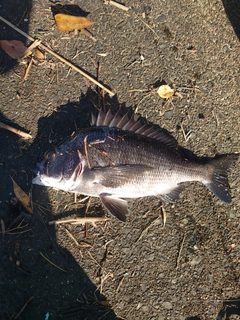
<point x="120" y="157"/>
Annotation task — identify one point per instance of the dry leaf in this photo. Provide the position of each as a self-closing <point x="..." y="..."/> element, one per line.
<point x="165" y="91"/>
<point x="67" y="22"/>
<point x="22" y="197"/>
<point x="13" y="48"/>
<point x="39" y="54"/>
<point x="105" y="303"/>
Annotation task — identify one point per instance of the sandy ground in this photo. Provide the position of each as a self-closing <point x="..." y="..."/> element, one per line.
<point x="141" y="269"/>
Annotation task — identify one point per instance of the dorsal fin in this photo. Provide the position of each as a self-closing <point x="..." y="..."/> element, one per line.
<point x="134" y="125"/>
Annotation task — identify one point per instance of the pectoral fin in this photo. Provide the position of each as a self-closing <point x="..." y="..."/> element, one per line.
<point x="116" y="206"/>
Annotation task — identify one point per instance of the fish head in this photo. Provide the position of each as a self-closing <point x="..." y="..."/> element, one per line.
<point x="59" y="169"/>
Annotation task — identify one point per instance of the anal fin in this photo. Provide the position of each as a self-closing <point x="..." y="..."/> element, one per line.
<point x="172" y="195"/>
<point x="116" y="206"/>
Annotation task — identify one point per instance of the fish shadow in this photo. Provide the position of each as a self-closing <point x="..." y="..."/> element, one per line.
<point x="230" y="307"/>
<point x="232" y="9"/>
<point x="41" y="268"/>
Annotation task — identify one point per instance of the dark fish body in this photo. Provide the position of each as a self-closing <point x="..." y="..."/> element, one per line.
<point x="118" y="157"/>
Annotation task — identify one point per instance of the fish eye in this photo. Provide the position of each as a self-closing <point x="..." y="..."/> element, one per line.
<point x="50" y="155"/>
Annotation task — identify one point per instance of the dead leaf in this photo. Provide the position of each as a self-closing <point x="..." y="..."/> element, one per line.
<point x="105" y="303"/>
<point x="165" y="91"/>
<point x="22" y="197"/>
<point x="39" y="54"/>
<point x="67" y="22"/>
<point x="14" y="48"/>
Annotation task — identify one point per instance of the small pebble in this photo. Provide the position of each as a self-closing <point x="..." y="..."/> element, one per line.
<point x="162" y="18"/>
<point x="167" y="305"/>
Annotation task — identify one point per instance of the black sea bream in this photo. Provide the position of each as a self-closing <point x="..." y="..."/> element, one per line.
<point x="118" y="157"/>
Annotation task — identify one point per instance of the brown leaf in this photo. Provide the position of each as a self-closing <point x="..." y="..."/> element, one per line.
<point x="39" y="54"/>
<point x="13" y="48"/>
<point x="67" y="22"/>
<point x="22" y="197"/>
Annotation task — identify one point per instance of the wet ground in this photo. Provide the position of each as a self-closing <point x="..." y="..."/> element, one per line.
<point x="141" y="269"/>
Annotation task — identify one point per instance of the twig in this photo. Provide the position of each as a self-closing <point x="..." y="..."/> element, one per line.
<point x="86" y="151"/>
<point x="86" y="224"/>
<point x="148" y="26"/>
<point x="28" y="69"/>
<point x="72" y="237"/>
<point x="121" y="281"/>
<point x="147" y="228"/>
<point x="180" y="251"/>
<point x="88" y="34"/>
<point x="59" y="57"/>
<point x="17" y="131"/>
<point x="186" y="136"/>
<point x="52" y="262"/>
<point x="29" y="49"/>
<point x="116" y="4"/>
<point x="164" y="216"/>
<point x="80" y="220"/>
<point x="23" y="308"/>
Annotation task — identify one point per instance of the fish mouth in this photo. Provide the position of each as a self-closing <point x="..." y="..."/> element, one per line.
<point x="38" y="181"/>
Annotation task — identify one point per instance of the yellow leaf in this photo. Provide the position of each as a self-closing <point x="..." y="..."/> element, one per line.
<point x="22" y="197"/>
<point x="165" y="91"/>
<point x="13" y="48"/>
<point x="66" y="22"/>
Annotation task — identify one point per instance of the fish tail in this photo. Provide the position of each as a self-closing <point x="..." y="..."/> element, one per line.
<point x="219" y="181"/>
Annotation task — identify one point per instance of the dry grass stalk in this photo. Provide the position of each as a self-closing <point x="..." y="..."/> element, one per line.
<point x="72" y="237"/>
<point x="23" y="308"/>
<point x="164" y="216"/>
<point x="82" y="220"/>
<point x="29" y="49"/>
<point x="116" y="4"/>
<point x="17" y="131"/>
<point x="28" y="69"/>
<point x="180" y="251"/>
<point x="86" y="151"/>
<point x="52" y="262"/>
<point x="156" y="221"/>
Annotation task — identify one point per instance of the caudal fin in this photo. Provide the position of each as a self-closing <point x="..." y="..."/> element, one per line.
<point x="219" y="185"/>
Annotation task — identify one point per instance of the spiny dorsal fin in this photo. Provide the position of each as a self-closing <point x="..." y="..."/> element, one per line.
<point x="134" y="125"/>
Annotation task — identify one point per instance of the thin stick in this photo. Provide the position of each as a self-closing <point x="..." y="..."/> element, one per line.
<point x="28" y="69"/>
<point x="180" y="251"/>
<point x="51" y="262"/>
<point x="27" y="52"/>
<point x="86" y="151"/>
<point x="80" y="220"/>
<point x="17" y="131"/>
<point x="19" y="313"/>
<point x="58" y="57"/>
<point x="147" y="228"/>
<point x="147" y="25"/>
<point x="164" y="216"/>
<point x="116" y="4"/>
<point x="88" y="34"/>
<point x="72" y="237"/>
